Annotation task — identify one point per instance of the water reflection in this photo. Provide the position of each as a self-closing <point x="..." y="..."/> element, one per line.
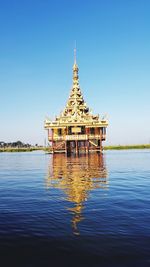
<point x="77" y="176"/>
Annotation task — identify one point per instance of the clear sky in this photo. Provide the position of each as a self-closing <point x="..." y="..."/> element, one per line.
<point x="36" y="57"/>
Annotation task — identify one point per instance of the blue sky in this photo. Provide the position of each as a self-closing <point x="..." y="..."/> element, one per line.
<point x="36" y="57"/>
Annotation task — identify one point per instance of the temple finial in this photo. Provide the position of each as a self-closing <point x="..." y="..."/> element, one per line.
<point x="75" y="51"/>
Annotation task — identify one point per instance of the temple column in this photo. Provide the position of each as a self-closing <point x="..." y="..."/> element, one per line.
<point x="49" y="134"/>
<point x="76" y="142"/>
<point x="65" y="146"/>
<point x="52" y="141"/>
<point x="85" y="144"/>
<point x="87" y="141"/>
<point x="65" y="131"/>
<point x="101" y="147"/>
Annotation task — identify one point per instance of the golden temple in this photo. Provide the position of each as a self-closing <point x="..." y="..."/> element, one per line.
<point x="76" y="129"/>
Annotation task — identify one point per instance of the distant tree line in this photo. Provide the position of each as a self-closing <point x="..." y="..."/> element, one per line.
<point x="13" y="144"/>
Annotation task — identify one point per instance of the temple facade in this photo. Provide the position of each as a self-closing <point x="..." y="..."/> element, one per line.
<point x="76" y="129"/>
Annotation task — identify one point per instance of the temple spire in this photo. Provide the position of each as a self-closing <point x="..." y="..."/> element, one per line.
<point x="75" y="54"/>
<point x="75" y="70"/>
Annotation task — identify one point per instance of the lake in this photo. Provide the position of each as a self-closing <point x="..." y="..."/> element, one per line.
<point x="75" y="211"/>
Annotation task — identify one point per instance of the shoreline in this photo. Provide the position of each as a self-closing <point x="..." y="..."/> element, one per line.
<point x="20" y="149"/>
<point x="126" y="147"/>
<point x="30" y="149"/>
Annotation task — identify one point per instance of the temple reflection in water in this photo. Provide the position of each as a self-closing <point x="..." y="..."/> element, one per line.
<point x="77" y="176"/>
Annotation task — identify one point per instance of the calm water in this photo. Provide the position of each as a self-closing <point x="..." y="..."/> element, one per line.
<point x="86" y="211"/>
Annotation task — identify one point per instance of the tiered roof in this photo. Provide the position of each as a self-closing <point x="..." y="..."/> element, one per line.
<point x="76" y="110"/>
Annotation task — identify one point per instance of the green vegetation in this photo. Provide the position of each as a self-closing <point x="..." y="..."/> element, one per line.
<point x="48" y="149"/>
<point x="120" y="147"/>
<point x="18" y="146"/>
<point x="20" y="149"/>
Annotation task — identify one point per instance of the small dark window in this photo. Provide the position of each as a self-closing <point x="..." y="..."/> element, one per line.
<point x="69" y="130"/>
<point x="82" y="129"/>
<point x="92" y="130"/>
<point x="59" y="131"/>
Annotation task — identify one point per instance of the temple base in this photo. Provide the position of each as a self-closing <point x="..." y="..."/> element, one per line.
<point x="76" y="147"/>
